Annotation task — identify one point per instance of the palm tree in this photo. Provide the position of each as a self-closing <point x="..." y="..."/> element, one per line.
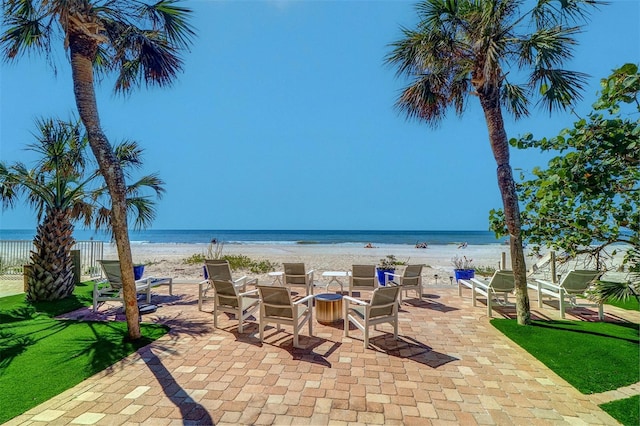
<point x="64" y="189"/>
<point x="468" y="47"/>
<point x="139" y="40"/>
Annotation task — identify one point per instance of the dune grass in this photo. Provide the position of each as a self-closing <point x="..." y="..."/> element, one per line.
<point x="626" y="411"/>
<point x="593" y="357"/>
<point x="41" y="356"/>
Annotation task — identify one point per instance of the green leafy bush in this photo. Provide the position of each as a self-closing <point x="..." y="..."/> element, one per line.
<point x="237" y="262"/>
<point x="194" y="259"/>
<point x="485" y="271"/>
<point x="240" y="261"/>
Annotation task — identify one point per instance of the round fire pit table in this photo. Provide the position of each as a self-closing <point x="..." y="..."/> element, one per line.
<point x="328" y="308"/>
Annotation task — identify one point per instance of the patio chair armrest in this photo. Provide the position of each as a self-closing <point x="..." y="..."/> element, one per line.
<point x="145" y="280"/>
<point x="354" y="300"/>
<point x="249" y="293"/>
<point x="532" y="286"/>
<point x="547" y="284"/>
<point x="390" y="275"/>
<point x="304" y="299"/>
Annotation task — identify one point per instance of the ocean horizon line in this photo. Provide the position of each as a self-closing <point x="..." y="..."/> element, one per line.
<point x="264" y="236"/>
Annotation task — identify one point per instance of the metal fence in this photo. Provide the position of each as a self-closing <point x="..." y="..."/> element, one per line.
<point x="14" y="254"/>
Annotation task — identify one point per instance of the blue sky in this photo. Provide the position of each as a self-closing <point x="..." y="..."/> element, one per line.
<point x="284" y="118"/>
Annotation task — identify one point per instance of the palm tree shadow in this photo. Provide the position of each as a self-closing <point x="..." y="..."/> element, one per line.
<point x="313" y="352"/>
<point x="429" y="304"/>
<point x="408" y="348"/>
<point x="180" y="324"/>
<point x="191" y="410"/>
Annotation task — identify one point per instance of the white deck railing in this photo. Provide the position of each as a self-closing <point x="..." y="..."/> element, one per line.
<point x="14" y="254"/>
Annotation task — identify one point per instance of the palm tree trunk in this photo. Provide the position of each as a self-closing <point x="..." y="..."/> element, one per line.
<point x="83" y="50"/>
<point x="51" y="274"/>
<point x="489" y="99"/>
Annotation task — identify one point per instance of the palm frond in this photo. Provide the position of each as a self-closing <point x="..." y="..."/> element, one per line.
<point x="129" y="154"/>
<point x="142" y="210"/>
<point x="608" y="290"/>
<point x="152" y="181"/>
<point x="515" y="99"/>
<point x="424" y="100"/>
<point x="26" y="30"/>
<point x="547" y="47"/>
<point x="560" y="12"/>
<point x="558" y="88"/>
<point x="171" y="19"/>
<point x="146" y="56"/>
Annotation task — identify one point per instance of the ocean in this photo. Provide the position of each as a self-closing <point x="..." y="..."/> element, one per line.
<point x="200" y="236"/>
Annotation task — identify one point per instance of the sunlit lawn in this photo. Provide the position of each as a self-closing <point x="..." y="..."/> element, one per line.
<point x="41" y="357"/>
<point x="593" y="357"/>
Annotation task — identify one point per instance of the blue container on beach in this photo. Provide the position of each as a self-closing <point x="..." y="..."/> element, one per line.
<point x="464" y="274"/>
<point x="138" y="271"/>
<point x="382" y="278"/>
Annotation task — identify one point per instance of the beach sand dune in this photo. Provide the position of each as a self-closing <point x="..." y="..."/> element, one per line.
<point x="169" y="259"/>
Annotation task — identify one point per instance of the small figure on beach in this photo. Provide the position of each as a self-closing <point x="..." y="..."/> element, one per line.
<point x="421" y="245"/>
<point x="369" y="245"/>
<point x="463" y="245"/>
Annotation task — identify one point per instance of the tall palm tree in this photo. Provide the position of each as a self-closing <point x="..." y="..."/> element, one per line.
<point x="63" y="188"/>
<point x="468" y="47"/>
<point x="139" y="40"/>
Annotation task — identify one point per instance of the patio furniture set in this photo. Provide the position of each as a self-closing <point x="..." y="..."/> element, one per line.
<point x="277" y="305"/>
<point x="573" y="286"/>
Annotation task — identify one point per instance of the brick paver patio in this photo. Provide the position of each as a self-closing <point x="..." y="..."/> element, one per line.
<point x="450" y="366"/>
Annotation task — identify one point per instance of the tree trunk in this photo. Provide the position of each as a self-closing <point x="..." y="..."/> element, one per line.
<point x="489" y="99"/>
<point x="51" y="275"/>
<point x="83" y="50"/>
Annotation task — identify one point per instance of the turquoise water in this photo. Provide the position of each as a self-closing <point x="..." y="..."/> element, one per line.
<point x="196" y="236"/>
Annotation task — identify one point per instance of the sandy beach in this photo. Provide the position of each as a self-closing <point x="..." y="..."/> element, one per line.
<point x="169" y="259"/>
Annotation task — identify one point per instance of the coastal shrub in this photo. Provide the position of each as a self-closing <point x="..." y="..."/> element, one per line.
<point x="194" y="259"/>
<point x="263" y="266"/>
<point x="240" y="261"/>
<point x="485" y="271"/>
<point x="236" y="262"/>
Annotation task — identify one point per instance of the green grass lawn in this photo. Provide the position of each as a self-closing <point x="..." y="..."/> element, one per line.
<point x="593" y="357"/>
<point x="626" y="411"/>
<point x="630" y="304"/>
<point x="41" y="357"/>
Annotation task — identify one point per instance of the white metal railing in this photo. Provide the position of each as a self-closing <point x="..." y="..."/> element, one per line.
<point x="14" y="254"/>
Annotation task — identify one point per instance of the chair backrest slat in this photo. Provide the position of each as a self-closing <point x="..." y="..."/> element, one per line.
<point x="111" y="270"/>
<point x="384" y="300"/>
<point x="294" y="274"/>
<point x="276" y="301"/>
<point x="411" y="274"/>
<point x="578" y="281"/>
<point x="226" y="293"/>
<point x="218" y="269"/>
<point x="364" y="276"/>
<point x="503" y="281"/>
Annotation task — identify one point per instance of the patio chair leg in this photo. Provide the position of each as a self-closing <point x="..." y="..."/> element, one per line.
<point x="366" y="337"/>
<point x="601" y="311"/>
